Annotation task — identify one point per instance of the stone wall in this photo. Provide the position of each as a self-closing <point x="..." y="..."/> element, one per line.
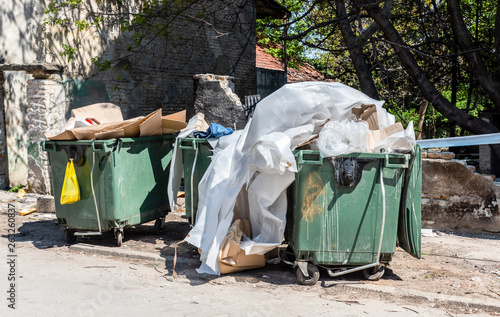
<point x="46" y="104"/>
<point x="3" y="140"/>
<point x="455" y="197"/>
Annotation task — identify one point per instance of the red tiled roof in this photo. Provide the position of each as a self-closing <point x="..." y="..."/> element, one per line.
<point x="305" y="73"/>
<point x="267" y="61"/>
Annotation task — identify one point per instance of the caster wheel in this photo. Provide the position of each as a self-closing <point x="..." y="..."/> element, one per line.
<point x="374" y="273"/>
<point x="159" y="224"/>
<point x="119" y="238"/>
<point x="313" y="275"/>
<point x="69" y="236"/>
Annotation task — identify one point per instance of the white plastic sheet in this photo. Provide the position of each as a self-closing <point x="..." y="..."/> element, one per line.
<point x="250" y="175"/>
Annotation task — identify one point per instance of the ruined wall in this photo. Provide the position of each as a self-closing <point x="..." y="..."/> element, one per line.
<point x="215" y="98"/>
<point x="45" y="114"/>
<point x="453" y="196"/>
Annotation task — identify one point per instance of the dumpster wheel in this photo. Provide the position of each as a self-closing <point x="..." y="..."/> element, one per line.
<point x="119" y="237"/>
<point x="313" y="277"/>
<point x="69" y="236"/>
<point x="374" y="273"/>
<point x="159" y="224"/>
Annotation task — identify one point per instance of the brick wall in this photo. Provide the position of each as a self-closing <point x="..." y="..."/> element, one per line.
<point x="161" y="75"/>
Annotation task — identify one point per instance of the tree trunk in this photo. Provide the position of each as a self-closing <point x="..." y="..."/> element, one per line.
<point x="472" y="54"/>
<point x="421" y="113"/>
<point x="355" y="48"/>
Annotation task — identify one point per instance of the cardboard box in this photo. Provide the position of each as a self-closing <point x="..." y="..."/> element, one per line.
<point x="103" y="112"/>
<point x="231" y="257"/>
<point x="368" y="114"/>
<point x="377" y="136"/>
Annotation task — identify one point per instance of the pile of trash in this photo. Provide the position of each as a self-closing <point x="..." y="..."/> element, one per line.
<point x="252" y="168"/>
<point x="104" y="121"/>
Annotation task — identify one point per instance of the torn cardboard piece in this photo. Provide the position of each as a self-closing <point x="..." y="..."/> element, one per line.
<point x="174" y="123"/>
<point x="377" y="136"/>
<point x="231" y="257"/>
<point x="197" y="122"/>
<point x="368" y="114"/>
<point x="102" y="112"/>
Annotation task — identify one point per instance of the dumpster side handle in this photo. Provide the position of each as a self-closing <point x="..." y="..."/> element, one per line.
<point x="191" y="144"/>
<point x="301" y="160"/>
<point x="49" y="146"/>
<point x="192" y="183"/>
<point x="100" y="147"/>
<point x="404" y="164"/>
<point x="95" y="201"/>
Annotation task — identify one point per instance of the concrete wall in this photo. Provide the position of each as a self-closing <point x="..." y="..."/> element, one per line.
<point x="268" y="81"/>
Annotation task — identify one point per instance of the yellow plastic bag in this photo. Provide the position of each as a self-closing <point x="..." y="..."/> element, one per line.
<point x="71" y="190"/>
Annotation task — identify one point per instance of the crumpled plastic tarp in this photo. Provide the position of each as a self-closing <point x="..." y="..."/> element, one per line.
<point x="250" y="175"/>
<point x="342" y="137"/>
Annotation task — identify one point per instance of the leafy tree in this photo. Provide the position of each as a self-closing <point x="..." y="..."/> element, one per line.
<point x="407" y="52"/>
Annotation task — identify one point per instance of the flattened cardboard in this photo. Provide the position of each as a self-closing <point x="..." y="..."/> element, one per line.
<point x="174" y="123"/>
<point x="231" y="257"/>
<point x="377" y="136"/>
<point x="152" y="124"/>
<point x="178" y="116"/>
<point x="103" y="112"/>
<point x="103" y="131"/>
<point x="66" y="135"/>
<point x="368" y="114"/>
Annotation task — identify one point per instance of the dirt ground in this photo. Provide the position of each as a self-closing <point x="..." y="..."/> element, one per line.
<point x="461" y="264"/>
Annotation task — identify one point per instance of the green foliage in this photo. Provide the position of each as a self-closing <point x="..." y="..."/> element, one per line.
<point x="316" y="37"/>
<point x="101" y="63"/>
<point x="15" y="189"/>
<point x="69" y="52"/>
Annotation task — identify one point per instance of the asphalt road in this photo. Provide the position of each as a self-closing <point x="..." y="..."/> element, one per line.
<point x="41" y="275"/>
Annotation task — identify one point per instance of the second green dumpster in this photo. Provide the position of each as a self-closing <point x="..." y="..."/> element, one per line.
<point x="343" y="214"/>
<point x="196" y="155"/>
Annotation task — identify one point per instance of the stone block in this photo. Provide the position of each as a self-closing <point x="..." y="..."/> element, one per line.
<point x="455" y="197"/>
<point x="45" y="205"/>
<point x="440" y="155"/>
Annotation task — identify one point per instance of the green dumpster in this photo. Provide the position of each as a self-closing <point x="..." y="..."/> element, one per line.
<point x="343" y="216"/>
<point x="196" y="157"/>
<point x="123" y="182"/>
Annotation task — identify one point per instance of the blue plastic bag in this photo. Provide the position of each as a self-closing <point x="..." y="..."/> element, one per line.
<point x="214" y="131"/>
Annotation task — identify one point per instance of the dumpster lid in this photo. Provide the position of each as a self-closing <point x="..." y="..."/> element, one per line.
<point x="409" y="227"/>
